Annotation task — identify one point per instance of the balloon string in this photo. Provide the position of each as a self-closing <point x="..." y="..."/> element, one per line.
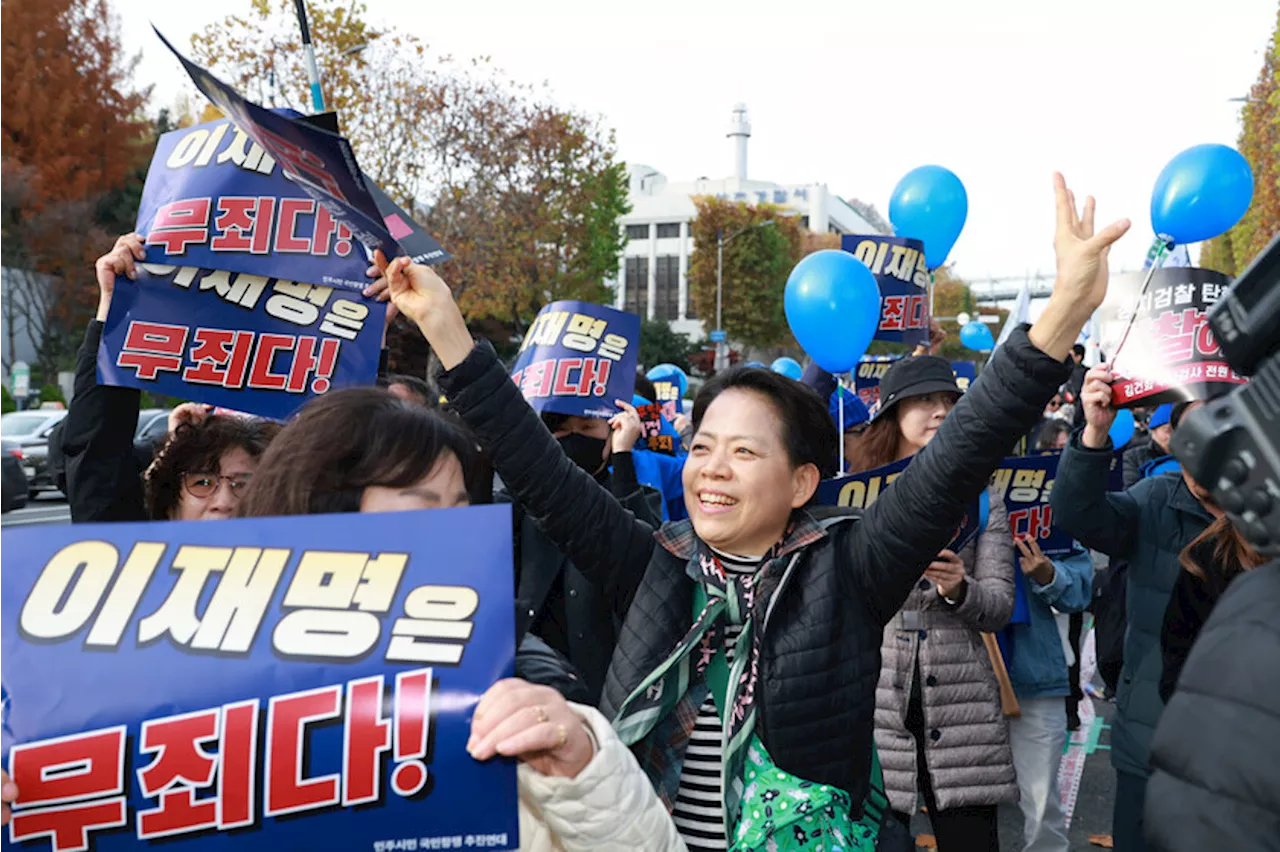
<point x="840" y="424"/>
<point x="1156" y="263"/>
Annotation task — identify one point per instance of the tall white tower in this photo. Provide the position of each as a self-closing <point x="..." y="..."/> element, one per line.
<point x="739" y="132"/>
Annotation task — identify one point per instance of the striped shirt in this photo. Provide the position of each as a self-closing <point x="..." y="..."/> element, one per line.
<point x="699" y="807"/>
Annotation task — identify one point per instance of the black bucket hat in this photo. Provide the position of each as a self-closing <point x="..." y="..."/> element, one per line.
<point x="916" y="376"/>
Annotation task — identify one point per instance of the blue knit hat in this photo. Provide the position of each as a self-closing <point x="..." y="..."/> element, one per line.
<point x="1160" y="416"/>
<point x="855" y="410"/>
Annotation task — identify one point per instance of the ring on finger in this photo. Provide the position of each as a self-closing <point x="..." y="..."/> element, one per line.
<point x="562" y="736"/>
<point x="540" y="713"/>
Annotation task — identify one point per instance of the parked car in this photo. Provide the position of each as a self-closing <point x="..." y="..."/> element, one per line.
<point x="13" y="488"/>
<point x="30" y="431"/>
<point x="153" y="425"/>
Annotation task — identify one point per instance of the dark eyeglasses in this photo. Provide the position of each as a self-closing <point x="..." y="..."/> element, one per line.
<point x="205" y="484"/>
<point x="1055" y="403"/>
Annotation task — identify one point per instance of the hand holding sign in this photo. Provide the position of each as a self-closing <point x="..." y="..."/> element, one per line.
<point x="8" y="795"/>
<point x="1095" y="396"/>
<point x="121" y="260"/>
<point x="421" y="295"/>
<point x="534" y="723"/>
<point x="947" y="572"/>
<point x="626" y="427"/>
<point x="1033" y="562"/>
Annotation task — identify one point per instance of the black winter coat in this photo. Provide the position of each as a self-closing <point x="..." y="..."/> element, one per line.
<point x="557" y="602"/>
<point x="1215" y="782"/>
<point x="820" y="632"/>
<point x="103" y="479"/>
<point x="1147" y="525"/>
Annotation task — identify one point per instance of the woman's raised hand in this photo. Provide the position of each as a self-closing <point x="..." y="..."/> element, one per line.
<point x="1081" y="282"/>
<point x="534" y="723"/>
<point x="423" y="296"/>
<point x="121" y="260"/>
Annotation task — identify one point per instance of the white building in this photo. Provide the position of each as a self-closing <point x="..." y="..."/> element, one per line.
<point x="653" y="275"/>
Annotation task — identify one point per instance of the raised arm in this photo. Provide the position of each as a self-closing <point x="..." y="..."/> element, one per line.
<point x="605" y="541"/>
<point x="97" y="437"/>
<point x="916" y="516"/>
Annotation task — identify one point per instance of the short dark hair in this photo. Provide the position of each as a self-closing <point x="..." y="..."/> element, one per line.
<point x="422" y="387"/>
<point x="1179" y="412"/>
<point x="199" y="448"/>
<point x="808" y="433"/>
<point x="1078" y="349"/>
<point x="345" y="441"/>
<point x="645" y="388"/>
<point x="1049" y="432"/>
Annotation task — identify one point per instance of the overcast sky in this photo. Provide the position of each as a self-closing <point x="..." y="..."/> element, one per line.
<point x="854" y="94"/>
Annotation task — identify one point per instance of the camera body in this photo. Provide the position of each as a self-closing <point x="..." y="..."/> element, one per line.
<point x="1231" y="445"/>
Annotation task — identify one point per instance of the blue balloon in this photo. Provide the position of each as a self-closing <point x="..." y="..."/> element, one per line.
<point x="832" y="302"/>
<point x="759" y="364"/>
<point x="930" y="205"/>
<point x="788" y="367"/>
<point x="1201" y="194"/>
<point x="670" y="373"/>
<point x="977" y="337"/>
<point x="1121" y="428"/>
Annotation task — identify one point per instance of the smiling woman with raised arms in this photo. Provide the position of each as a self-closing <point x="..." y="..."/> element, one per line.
<point x="751" y="637"/>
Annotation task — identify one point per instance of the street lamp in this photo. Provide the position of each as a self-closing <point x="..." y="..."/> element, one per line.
<point x="718" y="336"/>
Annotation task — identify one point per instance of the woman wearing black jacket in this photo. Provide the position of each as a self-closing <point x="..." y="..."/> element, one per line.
<point x="199" y="474"/>
<point x="802" y="593"/>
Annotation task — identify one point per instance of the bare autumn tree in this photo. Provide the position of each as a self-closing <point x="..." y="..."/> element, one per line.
<point x="526" y="195"/>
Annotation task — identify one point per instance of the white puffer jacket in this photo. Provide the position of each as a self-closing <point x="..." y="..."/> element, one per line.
<point x="609" y="807"/>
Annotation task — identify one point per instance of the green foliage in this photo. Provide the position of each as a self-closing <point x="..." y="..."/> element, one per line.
<point x="52" y="393"/>
<point x="659" y="344"/>
<point x="756" y="265"/>
<point x="6" y="400"/>
<point x="1260" y="144"/>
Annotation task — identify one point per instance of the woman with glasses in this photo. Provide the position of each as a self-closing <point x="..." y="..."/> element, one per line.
<point x="198" y="474"/>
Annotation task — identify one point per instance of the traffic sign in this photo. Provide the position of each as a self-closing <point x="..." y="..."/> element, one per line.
<point x="718" y="336"/>
<point x="21" y="376"/>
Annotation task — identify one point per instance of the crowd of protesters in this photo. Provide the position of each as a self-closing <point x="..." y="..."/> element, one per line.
<point x="762" y="672"/>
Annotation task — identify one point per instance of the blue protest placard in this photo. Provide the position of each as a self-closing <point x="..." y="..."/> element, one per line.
<point x="867" y="376"/>
<point x="860" y="490"/>
<point x="215" y="199"/>
<point x="240" y="341"/>
<point x="966" y="373"/>
<point x="578" y="358"/>
<point x="257" y="684"/>
<point x="1024" y="482"/>
<point x="321" y="163"/>
<point x="899" y="268"/>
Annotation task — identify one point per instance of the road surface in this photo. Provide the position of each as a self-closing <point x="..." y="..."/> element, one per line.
<point x="48" y="508"/>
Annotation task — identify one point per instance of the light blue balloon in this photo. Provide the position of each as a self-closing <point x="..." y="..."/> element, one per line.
<point x="670" y="373"/>
<point x="1121" y="431"/>
<point x="757" y="364"/>
<point x="788" y="367"/>
<point x="832" y="302"/>
<point x="1201" y="194"/>
<point x="929" y="204"/>
<point x="976" y="336"/>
